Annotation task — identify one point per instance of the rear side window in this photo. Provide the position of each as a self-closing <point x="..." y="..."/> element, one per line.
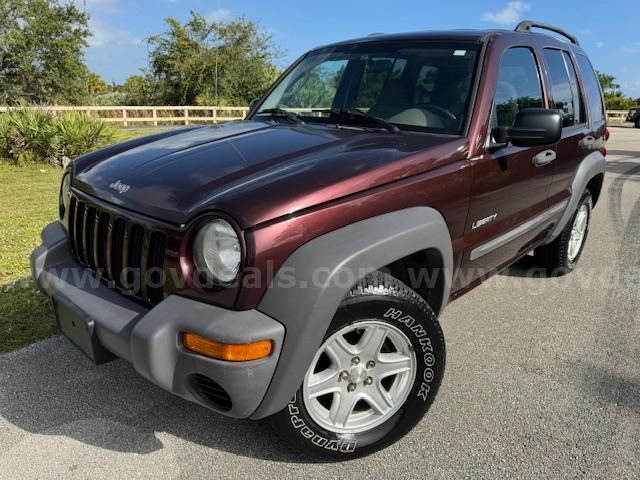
<point x="518" y="86"/>
<point x="564" y="86"/>
<point x="592" y="88"/>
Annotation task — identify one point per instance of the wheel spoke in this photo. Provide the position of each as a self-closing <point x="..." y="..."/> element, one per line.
<point x="340" y="352"/>
<point x="391" y="364"/>
<point x="371" y="341"/>
<point x="322" y="383"/>
<point x="379" y="399"/>
<point x="342" y="407"/>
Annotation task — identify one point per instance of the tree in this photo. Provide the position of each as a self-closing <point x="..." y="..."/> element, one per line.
<point x="41" y="51"/>
<point x="614" y="99"/>
<point x="96" y="85"/>
<point x="608" y="83"/>
<point x="139" y="90"/>
<point x="207" y="61"/>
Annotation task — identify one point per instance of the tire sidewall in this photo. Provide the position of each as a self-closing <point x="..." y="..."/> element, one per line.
<point x="419" y="325"/>
<point x="585" y="200"/>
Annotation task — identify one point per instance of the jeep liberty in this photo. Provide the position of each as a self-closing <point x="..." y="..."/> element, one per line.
<point x="293" y="265"/>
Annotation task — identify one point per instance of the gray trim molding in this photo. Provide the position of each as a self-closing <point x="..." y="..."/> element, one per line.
<point x="520" y="230"/>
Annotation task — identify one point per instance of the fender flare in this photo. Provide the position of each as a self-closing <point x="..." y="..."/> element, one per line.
<point x="592" y="165"/>
<point x="306" y="306"/>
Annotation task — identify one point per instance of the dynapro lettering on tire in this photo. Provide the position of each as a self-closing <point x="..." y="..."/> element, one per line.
<point x="379" y="299"/>
<point x="318" y="440"/>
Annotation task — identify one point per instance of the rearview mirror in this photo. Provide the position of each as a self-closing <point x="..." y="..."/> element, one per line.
<point x="532" y="127"/>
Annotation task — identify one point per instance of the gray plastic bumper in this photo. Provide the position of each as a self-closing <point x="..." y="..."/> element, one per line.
<point x="149" y="339"/>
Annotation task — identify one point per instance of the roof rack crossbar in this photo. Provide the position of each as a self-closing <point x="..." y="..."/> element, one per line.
<point x="527" y="25"/>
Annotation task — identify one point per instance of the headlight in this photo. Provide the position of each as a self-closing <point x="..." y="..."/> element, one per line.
<point x="216" y="251"/>
<point x="65" y="192"/>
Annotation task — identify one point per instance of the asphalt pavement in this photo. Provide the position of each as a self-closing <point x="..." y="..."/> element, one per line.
<point x="542" y="381"/>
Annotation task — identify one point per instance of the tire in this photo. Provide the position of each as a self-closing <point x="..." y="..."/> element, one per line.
<point x="385" y="306"/>
<point x="560" y="257"/>
<point x="637" y="123"/>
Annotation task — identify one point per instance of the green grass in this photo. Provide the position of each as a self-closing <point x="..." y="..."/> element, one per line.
<point x="29" y="200"/>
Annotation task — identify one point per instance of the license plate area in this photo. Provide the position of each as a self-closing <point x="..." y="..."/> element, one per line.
<point x="80" y="329"/>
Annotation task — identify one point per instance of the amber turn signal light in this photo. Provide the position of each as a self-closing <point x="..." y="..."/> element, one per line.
<point x="231" y="352"/>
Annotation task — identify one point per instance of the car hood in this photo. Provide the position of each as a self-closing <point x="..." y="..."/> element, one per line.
<point x="254" y="171"/>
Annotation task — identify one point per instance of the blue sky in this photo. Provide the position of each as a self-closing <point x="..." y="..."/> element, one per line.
<point x="608" y="31"/>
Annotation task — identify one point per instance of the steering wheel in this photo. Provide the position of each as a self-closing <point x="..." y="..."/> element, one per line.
<point x="438" y="110"/>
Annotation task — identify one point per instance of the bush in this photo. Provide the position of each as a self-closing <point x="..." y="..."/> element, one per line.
<point x="37" y="135"/>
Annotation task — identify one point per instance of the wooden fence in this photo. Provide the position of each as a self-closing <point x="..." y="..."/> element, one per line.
<point x="156" y="115"/>
<point x="162" y="115"/>
<point x="616" y="116"/>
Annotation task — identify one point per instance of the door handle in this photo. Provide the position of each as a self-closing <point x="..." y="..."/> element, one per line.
<point x="544" y="157"/>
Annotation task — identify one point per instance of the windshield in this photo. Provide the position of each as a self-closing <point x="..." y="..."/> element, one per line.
<point x="416" y="86"/>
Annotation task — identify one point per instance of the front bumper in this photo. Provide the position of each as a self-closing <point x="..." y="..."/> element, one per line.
<point x="149" y="338"/>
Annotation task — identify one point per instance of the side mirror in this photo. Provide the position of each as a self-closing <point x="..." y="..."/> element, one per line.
<point x="532" y="127"/>
<point x="253" y="103"/>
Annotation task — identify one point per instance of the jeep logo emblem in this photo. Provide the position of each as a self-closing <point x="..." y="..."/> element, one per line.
<point x="120" y="187"/>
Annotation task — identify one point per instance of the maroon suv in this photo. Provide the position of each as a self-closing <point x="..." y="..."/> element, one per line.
<point x="293" y="265"/>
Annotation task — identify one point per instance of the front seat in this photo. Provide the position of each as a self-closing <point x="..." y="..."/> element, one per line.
<point x="394" y="97"/>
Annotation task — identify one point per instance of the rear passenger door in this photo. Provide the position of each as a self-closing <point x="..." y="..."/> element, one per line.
<point x="566" y="95"/>
<point x="510" y="188"/>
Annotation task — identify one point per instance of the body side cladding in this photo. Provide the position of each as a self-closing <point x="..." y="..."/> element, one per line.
<point x="344" y="256"/>
<point x="593" y="165"/>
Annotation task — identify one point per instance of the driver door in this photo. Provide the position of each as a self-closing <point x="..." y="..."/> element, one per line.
<point x="510" y="185"/>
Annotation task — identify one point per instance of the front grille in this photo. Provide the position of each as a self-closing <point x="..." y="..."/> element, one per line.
<point x="128" y="256"/>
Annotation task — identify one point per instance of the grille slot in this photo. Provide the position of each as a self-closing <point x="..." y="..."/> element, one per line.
<point x="155" y="267"/>
<point x="89" y="237"/>
<point x="119" y="250"/>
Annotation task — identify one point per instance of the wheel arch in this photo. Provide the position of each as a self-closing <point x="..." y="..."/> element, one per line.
<point x="327" y="267"/>
<point x="590" y="172"/>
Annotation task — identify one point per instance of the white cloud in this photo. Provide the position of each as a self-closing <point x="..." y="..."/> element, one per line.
<point x="509" y="14"/>
<point x="630" y="49"/>
<point x="219" y="15"/>
<point x="599" y="44"/>
<point x="98" y="5"/>
<point x="104" y="34"/>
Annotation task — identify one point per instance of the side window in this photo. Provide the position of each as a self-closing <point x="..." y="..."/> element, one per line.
<point x="518" y="86"/>
<point x="592" y="88"/>
<point x="562" y="91"/>
<point x="578" y="101"/>
<point x="377" y="71"/>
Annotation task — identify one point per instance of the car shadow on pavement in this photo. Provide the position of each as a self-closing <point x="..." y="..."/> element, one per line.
<point x="50" y="388"/>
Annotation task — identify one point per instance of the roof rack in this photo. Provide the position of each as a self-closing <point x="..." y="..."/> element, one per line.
<point x="527" y="25"/>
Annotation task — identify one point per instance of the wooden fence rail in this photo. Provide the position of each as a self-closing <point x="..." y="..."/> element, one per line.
<point x="155" y="115"/>
<point x="179" y="115"/>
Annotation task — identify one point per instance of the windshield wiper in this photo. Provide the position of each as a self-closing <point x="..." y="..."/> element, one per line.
<point x="355" y="113"/>
<point x="282" y="113"/>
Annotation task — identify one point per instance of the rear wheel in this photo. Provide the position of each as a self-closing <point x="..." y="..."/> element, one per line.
<point x="637" y="123"/>
<point x="374" y="376"/>
<point x="561" y="256"/>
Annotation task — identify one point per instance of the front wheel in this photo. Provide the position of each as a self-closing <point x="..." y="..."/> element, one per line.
<point x="374" y="376"/>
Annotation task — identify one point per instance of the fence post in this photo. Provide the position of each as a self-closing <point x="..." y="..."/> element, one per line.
<point x="155" y="117"/>
<point x="186" y="116"/>
<point x="124" y="118"/>
<point x="214" y="113"/>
